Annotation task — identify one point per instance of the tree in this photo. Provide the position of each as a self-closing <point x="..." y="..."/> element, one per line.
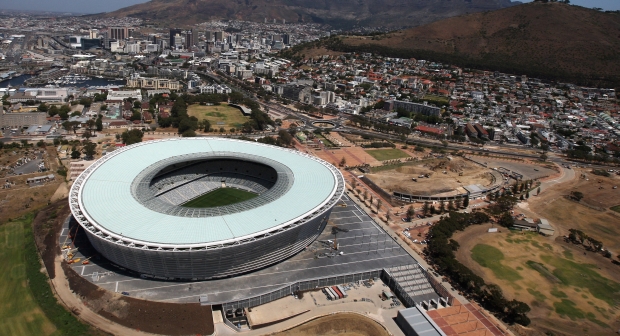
<point x="343" y="162"/>
<point x="544" y="157"/>
<point x="465" y="202"/>
<point x="131" y="137"/>
<point x="577" y="195"/>
<point x="41" y="143"/>
<point x="87" y="135"/>
<point x="285" y="137"/>
<point x="99" y="123"/>
<point x="189" y="133"/>
<point x="538" y="191"/>
<point x="442" y="207"/>
<point x="506" y="220"/>
<point x="365" y="194"/>
<point x="90" y="124"/>
<point x="89" y="149"/>
<point x="450" y="205"/>
<point x="410" y="212"/>
<point x="425" y="208"/>
<point x="353" y="183"/>
<point x="379" y="203"/>
<point x="75" y="154"/>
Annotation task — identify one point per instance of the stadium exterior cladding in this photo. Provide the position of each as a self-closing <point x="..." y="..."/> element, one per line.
<point x="204" y="246"/>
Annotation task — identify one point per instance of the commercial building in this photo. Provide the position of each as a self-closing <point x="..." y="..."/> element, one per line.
<point x="16" y="120"/>
<point x="120" y="33"/>
<point x="423" y="109"/>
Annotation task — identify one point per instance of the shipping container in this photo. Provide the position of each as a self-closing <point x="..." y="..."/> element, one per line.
<point x="337" y="291"/>
<point x="344" y="292"/>
<point x="334" y="295"/>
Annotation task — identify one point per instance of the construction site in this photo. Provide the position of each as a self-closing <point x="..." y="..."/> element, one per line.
<point x="433" y="176"/>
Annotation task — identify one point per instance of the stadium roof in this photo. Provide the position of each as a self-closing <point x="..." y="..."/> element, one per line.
<point x="106" y="199"/>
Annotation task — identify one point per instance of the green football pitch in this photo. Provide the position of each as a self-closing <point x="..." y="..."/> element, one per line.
<point x="220" y="197"/>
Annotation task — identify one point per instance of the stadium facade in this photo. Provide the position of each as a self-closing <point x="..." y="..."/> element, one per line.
<point x="130" y="204"/>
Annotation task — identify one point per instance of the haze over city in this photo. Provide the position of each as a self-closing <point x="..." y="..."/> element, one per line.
<point x="92" y="6"/>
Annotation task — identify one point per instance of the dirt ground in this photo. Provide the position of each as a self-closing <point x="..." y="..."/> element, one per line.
<point x="345" y="324"/>
<point x="148" y="316"/>
<point x="353" y="156"/>
<point x="591" y="215"/>
<point x="543" y="293"/>
<point x="22" y="198"/>
<point x="400" y="178"/>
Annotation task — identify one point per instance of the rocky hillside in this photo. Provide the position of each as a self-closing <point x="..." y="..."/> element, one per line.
<point x="552" y="40"/>
<point x="341" y="13"/>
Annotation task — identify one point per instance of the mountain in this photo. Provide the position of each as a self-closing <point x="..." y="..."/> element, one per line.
<point x="548" y="40"/>
<point x="341" y="13"/>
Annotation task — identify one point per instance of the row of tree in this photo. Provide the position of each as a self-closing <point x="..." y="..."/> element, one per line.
<point x="441" y="248"/>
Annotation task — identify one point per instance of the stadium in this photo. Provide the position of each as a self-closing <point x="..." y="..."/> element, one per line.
<point x="203" y="208"/>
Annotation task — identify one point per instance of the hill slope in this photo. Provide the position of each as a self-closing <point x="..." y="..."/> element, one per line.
<point x="341" y="13"/>
<point x="548" y="40"/>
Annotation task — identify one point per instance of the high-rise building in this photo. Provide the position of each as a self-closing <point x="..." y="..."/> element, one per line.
<point x="92" y="33"/>
<point x="286" y="38"/>
<point x="173" y="33"/>
<point x="189" y="38"/>
<point x="119" y="33"/>
<point x="219" y="36"/>
<point x="209" y="36"/>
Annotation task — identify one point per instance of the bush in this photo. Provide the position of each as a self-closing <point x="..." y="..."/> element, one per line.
<point x="601" y="172"/>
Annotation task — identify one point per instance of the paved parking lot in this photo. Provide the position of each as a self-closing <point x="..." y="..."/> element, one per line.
<point x="364" y="246"/>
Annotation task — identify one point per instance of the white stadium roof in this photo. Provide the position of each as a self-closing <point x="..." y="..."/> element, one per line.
<point x="106" y="200"/>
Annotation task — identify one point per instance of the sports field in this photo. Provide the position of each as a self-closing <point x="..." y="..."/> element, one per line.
<point x="387" y="154"/>
<point x="220" y="197"/>
<point x="19" y="313"/>
<point x="218" y="115"/>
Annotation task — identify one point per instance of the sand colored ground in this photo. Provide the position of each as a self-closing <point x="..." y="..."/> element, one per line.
<point x="353" y="156"/>
<point x="345" y="324"/>
<point x="591" y="215"/>
<point x="400" y="178"/>
<point x="547" y="295"/>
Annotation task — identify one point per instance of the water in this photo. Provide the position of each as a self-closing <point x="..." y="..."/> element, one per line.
<point x="19" y="81"/>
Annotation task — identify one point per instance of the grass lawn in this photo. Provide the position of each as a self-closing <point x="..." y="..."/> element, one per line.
<point x="490" y="257"/>
<point x="19" y="313"/>
<point x="220" y="197"/>
<point x="584" y="276"/>
<point x="387" y="154"/>
<point x="437" y="100"/>
<point x="218" y="115"/>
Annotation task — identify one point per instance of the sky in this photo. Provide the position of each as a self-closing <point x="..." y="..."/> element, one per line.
<point x="98" y="6"/>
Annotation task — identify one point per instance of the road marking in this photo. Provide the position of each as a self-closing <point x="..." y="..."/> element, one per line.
<point x="116" y="289"/>
<point x="83" y="267"/>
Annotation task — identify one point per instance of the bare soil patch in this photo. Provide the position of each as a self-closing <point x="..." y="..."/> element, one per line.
<point x="400" y="178"/>
<point x="339" y="324"/>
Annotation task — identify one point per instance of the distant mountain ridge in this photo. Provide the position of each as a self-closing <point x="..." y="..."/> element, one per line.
<point x="551" y="40"/>
<point x="341" y="13"/>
